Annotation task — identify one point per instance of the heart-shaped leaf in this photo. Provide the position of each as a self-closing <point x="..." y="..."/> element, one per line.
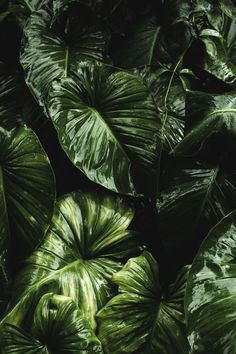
<point x="59" y="327"/>
<point x="83" y="248"/>
<point x="108" y="125"/>
<point x="142" y="318"/>
<point x="211" y="292"/>
<point x="47" y="55"/>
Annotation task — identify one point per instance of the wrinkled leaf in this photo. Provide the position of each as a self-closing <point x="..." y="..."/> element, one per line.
<point x="83" y="248"/>
<point x="192" y="194"/>
<point x="210" y="294"/>
<point x="141" y="318"/>
<point x="59" y="327"/>
<point x="107" y="124"/>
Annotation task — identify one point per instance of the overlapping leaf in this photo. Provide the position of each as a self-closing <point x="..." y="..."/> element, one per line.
<point x="192" y="194"/>
<point x="108" y="124"/>
<point x="211" y="294"/>
<point x="207" y="114"/>
<point x="59" y="326"/>
<point x="47" y="54"/>
<point x="141" y="318"/>
<point x="82" y="250"/>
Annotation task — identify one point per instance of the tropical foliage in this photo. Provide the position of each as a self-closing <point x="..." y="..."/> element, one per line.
<point x="117" y="176"/>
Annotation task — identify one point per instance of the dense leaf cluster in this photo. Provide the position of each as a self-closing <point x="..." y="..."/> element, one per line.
<point x="117" y="157"/>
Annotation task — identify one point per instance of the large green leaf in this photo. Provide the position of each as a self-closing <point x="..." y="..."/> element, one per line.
<point x="191" y="195"/>
<point x="151" y="44"/>
<point x="26" y="198"/>
<point x="83" y="248"/>
<point x="211" y="292"/>
<point x="107" y="124"/>
<point x="207" y="114"/>
<point x="16" y="103"/>
<point x="47" y="54"/>
<point x="26" y="192"/>
<point x="59" y="327"/>
<point x="142" y="318"/>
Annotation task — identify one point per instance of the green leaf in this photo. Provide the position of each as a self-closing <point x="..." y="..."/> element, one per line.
<point x="59" y="327"/>
<point x="168" y="88"/>
<point x="47" y="54"/>
<point x="107" y="124"/>
<point x="191" y="195"/>
<point x="17" y="106"/>
<point x="26" y="192"/>
<point x="220" y="53"/>
<point x="210" y="295"/>
<point x="83" y="248"/>
<point x="228" y="7"/>
<point x="142" y="318"/>
<point x="151" y="44"/>
<point x="207" y="114"/>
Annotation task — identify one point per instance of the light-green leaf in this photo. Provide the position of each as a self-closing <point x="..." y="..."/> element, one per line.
<point x="59" y="327"/>
<point x="142" y="318"/>
<point x="83" y="248"/>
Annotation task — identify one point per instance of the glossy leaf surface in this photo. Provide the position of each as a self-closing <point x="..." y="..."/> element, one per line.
<point x="141" y="318"/>
<point x="59" y="327"/>
<point x="17" y="106"/>
<point x="107" y="124"/>
<point x="83" y="248"/>
<point x="26" y="192"/>
<point x="207" y="115"/>
<point x="210" y="294"/>
<point x="192" y="194"/>
<point x="47" y="55"/>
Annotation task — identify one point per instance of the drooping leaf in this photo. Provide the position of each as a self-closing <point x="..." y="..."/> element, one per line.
<point x="47" y="54"/>
<point x="83" y="248"/>
<point x="59" y="327"/>
<point x="207" y="114"/>
<point x="190" y="195"/>
<point x="141" y="318"/>
<point x="107" y="124"/>
<point x="210" y="294"/>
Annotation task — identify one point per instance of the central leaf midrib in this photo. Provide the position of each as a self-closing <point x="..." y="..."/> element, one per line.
<point x="114" y="138"/>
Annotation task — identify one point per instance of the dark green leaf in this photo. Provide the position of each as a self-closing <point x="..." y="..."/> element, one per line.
<point x="207" y="114"/>
<point x="17" y="106"/>
<point x="59" y="327"/>
<point x="47" y="55"/>
<point x="78" y="256"/>
<point x="191" y="195"/>
<point x="141" y="318"/>
<point x="210" y="295"/>
<point x="107" y="124"/>
<point x="26" y="192"/>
